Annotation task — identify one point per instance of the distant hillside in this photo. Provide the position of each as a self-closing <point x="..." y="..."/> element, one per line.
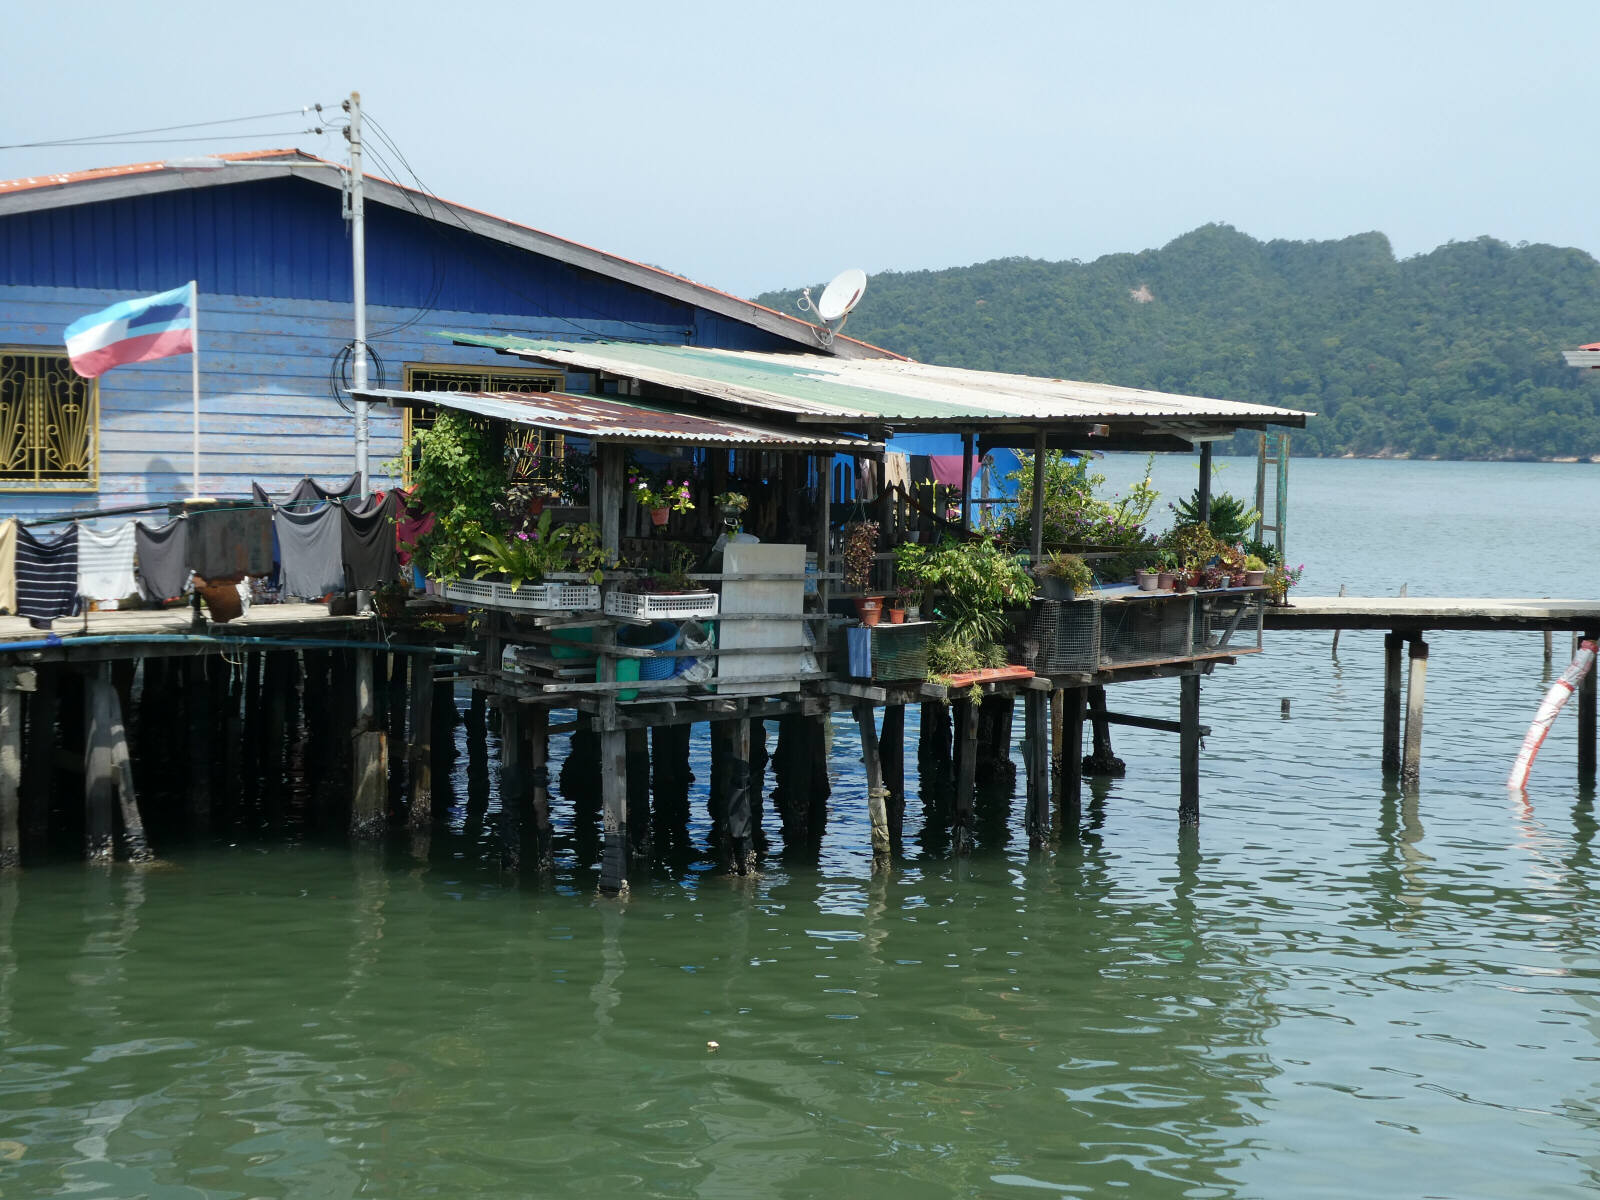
<point x="1451" y="354"/>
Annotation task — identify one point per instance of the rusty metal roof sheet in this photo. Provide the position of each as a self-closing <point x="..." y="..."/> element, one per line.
<point x="609" y="419"/>
<point x="903" y="394"/>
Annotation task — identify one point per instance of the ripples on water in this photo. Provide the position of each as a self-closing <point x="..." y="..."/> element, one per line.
<point x="1330" y="990"/>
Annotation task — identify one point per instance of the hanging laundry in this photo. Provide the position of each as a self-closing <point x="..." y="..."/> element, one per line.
<point x="8" y="564"/>
<point x="162" y="558"/>
<point x="47" y="577"/>
<point x="105" y="562"/>
<point x="308" y="492"/>
<point x="896" y="472"/>
<point x="866" y="478"/>
<point x="368" y="541"/>
<point x="311" y="547"/>
<point x="230" y="542"/>
<point x="947" y="469"/>
<point x="411" y="528"/>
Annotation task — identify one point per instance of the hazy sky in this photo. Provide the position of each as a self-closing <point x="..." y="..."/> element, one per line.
<point x="756" y="145"/>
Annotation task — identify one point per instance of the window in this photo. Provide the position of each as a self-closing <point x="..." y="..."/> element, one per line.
<point x="534" y="455"/>
<point x="49" y="423"/>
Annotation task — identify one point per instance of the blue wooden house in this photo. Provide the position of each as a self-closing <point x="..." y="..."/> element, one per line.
<point x="264" y="236"/>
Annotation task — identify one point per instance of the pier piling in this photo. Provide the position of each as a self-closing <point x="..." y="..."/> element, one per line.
<point x="370" y="748"/>
<point x="1411" y="766"/>
<point x="1070" y="763"/>
<point x="10" y="778"/>
<point x="1586" y="726"/>
<point x="1189" y="751"/>
<point x="1391" y="701"/>
<point x="98" y="783"/>
<point x="966" y="754"/>
<point x="871" y="761"/>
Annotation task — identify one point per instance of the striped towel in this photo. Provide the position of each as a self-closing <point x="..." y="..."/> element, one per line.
<point x="105" y="563"/>
<point x="47" y="577"/>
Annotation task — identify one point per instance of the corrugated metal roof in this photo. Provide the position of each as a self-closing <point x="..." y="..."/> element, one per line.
<point x="607" y="420"/>
<point x="818" y="388"/>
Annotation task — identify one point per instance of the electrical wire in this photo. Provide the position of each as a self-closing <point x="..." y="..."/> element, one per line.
<point x="92" y="139"/>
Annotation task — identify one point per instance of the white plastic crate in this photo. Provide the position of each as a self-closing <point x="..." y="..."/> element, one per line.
<point x="544" y="597"/>
<point x="661" y="607"/>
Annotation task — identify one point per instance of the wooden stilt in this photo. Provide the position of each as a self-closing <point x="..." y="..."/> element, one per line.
<point x="1189" y="751"/>
<point x="966" y="749"/>
<point x="539" y="785"/>
<point x="1586" y="728"/>
<point x="614" y="812"/>
<point x="1392" y="643"/>
<point x="371" y="756"/>
<point x="669" y="784"/>
<point x="1036" y="727"/>
<point x="196" y="700"/>
<point x="741" y="848"/>
<point x="513" y="780"/>
<point x="419" y="748"/>
<point x="877" y="808"/>
<point x="1101" y="760"/>
<point x="1416" y="688"/>
<point x="638" y="741"/>
<point x="892" y="754"/>
<point x="1058" y="702"/>
<point x="122" y="774"/>
<point x="98" y="782"/>
<point x="1070" y="763"/>
<point x="819" y="785"/>
<point x="758" y="783"/>
<point x="10" y="779"/>
<point x="40" y="767"/>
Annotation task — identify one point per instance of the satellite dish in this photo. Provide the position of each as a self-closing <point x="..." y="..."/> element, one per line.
<point x="838" y="298"/>
<point x="843" y="294"/>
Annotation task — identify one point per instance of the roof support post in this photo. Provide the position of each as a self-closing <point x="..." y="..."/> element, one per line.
<point x="1205" y="483"/>
<point x="966" y="482"/>
<point x="1037" y="519"/>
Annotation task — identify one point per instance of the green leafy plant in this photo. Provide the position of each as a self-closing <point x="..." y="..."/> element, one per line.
<point x="1068" y="568"/>
<point x="525" y="557"/>
<point x="1231" y="518"/>
<point x="1191" y="543"/>
<point x="458" y="475"/>
<point x="978" y="581"/>
<point x="732" y="501"/>
<point x="1074" y="513"/>
<point x="666" y="494"/>
<point x="1254" y="562"/>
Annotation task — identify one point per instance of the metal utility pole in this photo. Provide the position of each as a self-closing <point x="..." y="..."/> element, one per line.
<point x="358" y="263"/>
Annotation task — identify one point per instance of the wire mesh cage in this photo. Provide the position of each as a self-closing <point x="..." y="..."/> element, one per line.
<point x="1068" y="632"/>
<point x="1144" y="631"/>
<point x="1228" y="622"/>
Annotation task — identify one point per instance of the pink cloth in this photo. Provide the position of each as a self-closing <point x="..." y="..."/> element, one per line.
<point x="408" y="531"/>
<point x="947" y="469"/>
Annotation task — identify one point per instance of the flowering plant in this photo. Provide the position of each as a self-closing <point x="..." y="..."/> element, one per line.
<point x="1280" y="579"/>
<point x="524" y="557"/>
<point x="671" y="495"/>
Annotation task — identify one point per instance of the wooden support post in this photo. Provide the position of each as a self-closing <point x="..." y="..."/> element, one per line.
<point x="966" y="750"/>
<point x="419" y="747"/>
<point x="371" y="757"/>
<point x="1205" y="482"/>
<point x="639" y="793"/>
<point x="966" y="481"/>
<point x="1036" y="727"/>
<point x="824" y="536"/>
<point x="892" y="754"/>
<point x="39" y="775"/>
<point x="197" y="703"/>
<point x="10" y="779"/>
<point x="614" y="812"/>
<point x="513" y="781"/>
<point x="1586" y="727"/>
<point x="877" y="808"/>
<point x="1416" y="688"/>
<point x="1036" y="518"/>
<point x="122" y="775"/>
<point x="539" y="785"/>
<point x="1392" y="643"/>
<point x="1189" y="751"/>
<point x="819" y="787"/>
<point x="1102" y="761"/>
<point x="1058" y="709"/>
<point x="741" y="850"/>
<point x="758" y="783"/>
<point x="1070" y="764"/>
<point x="1549" y="648"/>
<point x="98" y="782"/>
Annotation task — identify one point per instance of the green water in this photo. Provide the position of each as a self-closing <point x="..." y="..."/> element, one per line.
<point x="1329" y="990"/>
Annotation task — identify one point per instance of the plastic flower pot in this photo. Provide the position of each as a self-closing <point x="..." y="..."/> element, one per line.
<point x="658" y="516"/>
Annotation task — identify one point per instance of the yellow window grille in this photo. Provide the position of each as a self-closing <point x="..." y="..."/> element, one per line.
<point x="535" y="456"/>
<point x="49" y="423"/>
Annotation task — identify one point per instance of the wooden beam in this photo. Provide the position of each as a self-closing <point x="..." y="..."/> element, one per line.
<point x="1156" y="723"/>
<point x="1189" y="750"/>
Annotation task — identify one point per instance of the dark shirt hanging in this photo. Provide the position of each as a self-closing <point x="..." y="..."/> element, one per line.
<point x="370" y="556"/>
<point x="47" y="577"/>
<point x="163" y="557"/>
<point x="311" y="547"/>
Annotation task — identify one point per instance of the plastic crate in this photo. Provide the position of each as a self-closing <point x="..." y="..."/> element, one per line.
<point x="900" y="651"/>
<point x="653" y="606"/>
<point x="543" y="597"/>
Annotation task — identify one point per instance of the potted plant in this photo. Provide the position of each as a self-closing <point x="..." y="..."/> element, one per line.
<point x="661" y="500"/>
<point x="1279" y="579"/>
<point x="855" y="568"/>
<point x="1167" y="566"/>
<point x="1255" y="570"/>
<point x="525" y="557"/>
<point x="1148" y="578"/>
<point x="1063" y="576"/>
<point x="908" y="599"/>
<point x="731" y="505"/>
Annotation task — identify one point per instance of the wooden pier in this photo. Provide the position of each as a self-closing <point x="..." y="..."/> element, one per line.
<point x="1406" y="620"/>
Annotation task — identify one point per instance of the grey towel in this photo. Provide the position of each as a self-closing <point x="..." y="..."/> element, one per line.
<point x="163" y="557"/>
<point x="310" y="545"/>
<point x="308" y="492"/>
<point x="47" y="577"/>
<point x="369" y="552"/>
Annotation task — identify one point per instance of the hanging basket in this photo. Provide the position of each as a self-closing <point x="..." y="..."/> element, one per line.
<point x="658" y="516"/>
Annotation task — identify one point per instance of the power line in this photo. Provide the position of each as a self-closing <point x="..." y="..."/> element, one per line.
<point x="170" y="141"/>
<point x="104" y="139"/>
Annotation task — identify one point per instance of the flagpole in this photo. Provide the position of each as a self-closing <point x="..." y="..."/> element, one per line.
<point x="194" y="359"/>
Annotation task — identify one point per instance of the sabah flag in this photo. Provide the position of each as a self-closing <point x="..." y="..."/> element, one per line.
<point x="133" y="331"/>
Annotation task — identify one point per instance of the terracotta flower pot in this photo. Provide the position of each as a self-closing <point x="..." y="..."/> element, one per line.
<point x="897" y="616"/>
<point x="869" y="609"/>
<point x="1254" y="578"/>
<point x="658" y="516"/>
<point x="1168" y="579"/>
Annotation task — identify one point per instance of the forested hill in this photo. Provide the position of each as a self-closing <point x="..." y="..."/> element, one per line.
<point x="1451" y="354"/>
